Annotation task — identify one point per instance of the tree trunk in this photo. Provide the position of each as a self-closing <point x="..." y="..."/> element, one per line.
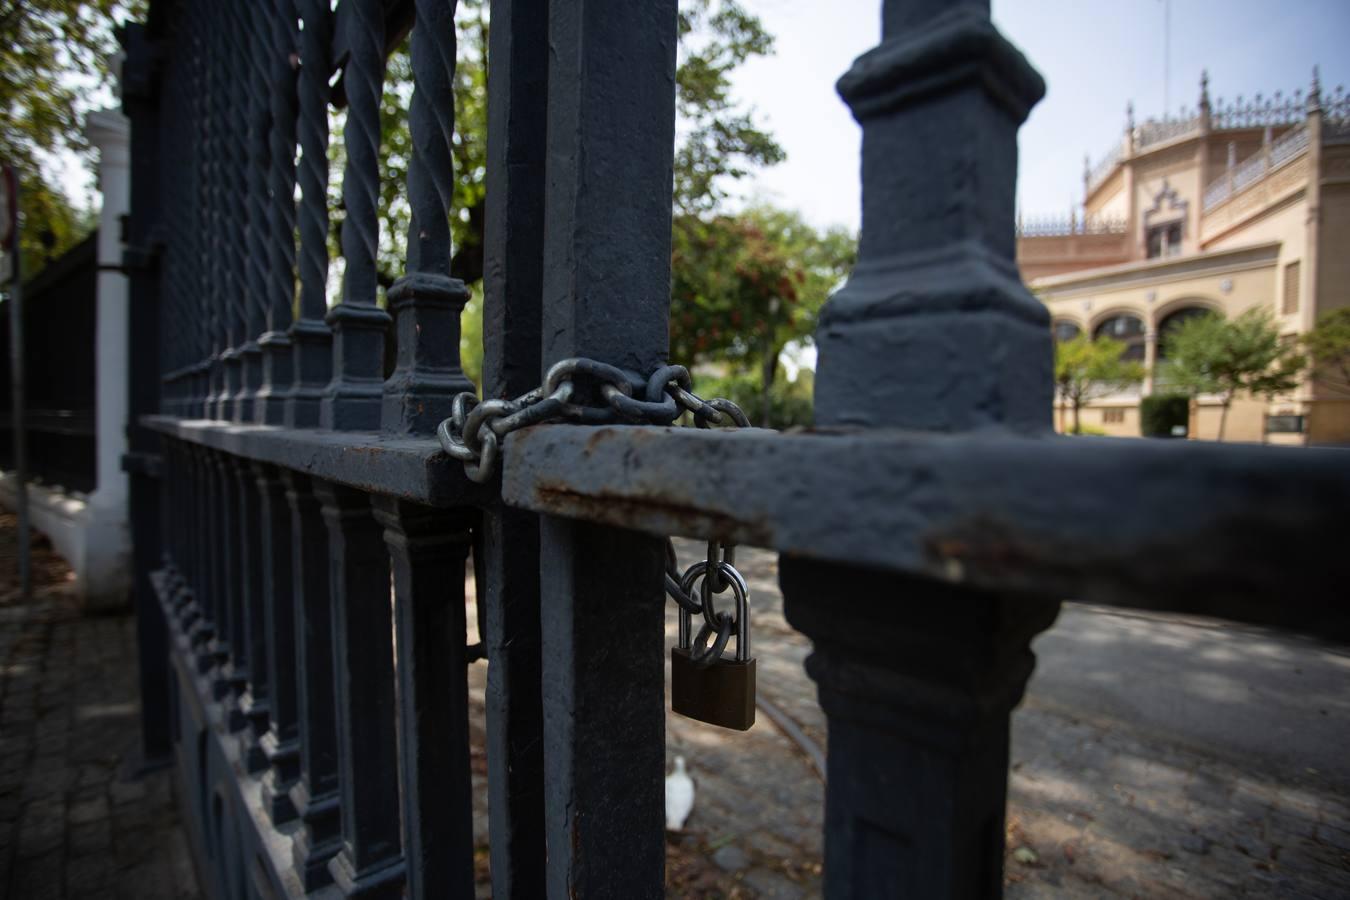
<point x="1077" y="425"/>
<point x="1223" y="415"/>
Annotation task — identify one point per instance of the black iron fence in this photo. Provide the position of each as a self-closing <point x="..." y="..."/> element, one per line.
<point x="283" y="486"/>
<point x="60" y="320"/>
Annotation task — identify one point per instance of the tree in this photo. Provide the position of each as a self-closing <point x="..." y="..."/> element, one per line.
<point x="1328" y="348"/>
<point x="719" y="141"/>
<point x="1214" y="355"/>
<point x="746" y="285"/>
<point x="1086" y="370"/>
<point x="54" y="57"/>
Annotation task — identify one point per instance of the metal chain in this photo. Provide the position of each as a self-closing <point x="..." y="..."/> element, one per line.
<point x="714" y="576"/>
<point x="579" y="390"/>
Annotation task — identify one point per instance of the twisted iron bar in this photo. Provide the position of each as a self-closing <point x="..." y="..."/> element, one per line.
<point x="363" y="80"/>
<point x="431" y="176"/>
<point x="204" y="149"/>
<point x="315" y="41"/>
<point x="236" y="175"/>
<point x="285" y="34"/>
<point x="259" y="231"/>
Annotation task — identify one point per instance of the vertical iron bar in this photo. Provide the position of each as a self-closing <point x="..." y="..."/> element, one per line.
<point x="140" y="99"/>
<point x="313" y="355"/>
<point x="16" y="386"/>
<point x="427" y="302"/>
<point x="255" y="701"/>
<point x="235" y="215"/>
<point x="508" y="568"/>
<point x="284" y="36"/>
<point x="427" y="549"/>
<point x="611" y="123"/>
<point x="353" y="398"/>
<point x="370" y="863"/>
<point x="315" y="794"/>
<point x="281" y="743"/>
<point x="253" y="42"/>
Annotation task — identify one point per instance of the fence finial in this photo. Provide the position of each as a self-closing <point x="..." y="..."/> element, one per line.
<point x="936" y="272"/>
<point x="1315" y="91"/>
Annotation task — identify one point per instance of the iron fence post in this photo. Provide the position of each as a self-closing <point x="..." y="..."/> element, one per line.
<point x="918" y="677"/>
<point x="606" y="289"/>
<point x="508" y="567"/>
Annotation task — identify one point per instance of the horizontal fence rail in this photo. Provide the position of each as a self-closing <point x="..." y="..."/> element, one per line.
<point x="302" y="539"/>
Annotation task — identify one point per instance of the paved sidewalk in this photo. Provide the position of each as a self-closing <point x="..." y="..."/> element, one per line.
<point x="71" y="824"/>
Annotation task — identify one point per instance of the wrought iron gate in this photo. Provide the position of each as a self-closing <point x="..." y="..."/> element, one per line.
<point x="281" y="480"/>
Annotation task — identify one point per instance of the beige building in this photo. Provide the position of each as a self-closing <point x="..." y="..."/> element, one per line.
<point x="1236" y="206"/>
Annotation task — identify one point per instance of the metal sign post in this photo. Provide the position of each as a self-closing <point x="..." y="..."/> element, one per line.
<point x="9" y="241"/>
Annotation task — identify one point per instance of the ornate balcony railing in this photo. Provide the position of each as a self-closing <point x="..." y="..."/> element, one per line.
<point x="1288" y="146"/>
<point x="1103" y="168"/>
<point x="1063" y="226"/>
<point x="1157" y="131"/>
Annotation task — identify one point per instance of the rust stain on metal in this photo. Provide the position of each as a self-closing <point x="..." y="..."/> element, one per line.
<point x="633" y="512"/>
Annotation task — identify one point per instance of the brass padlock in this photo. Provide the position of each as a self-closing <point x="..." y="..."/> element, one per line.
<point x="704" y="684"/>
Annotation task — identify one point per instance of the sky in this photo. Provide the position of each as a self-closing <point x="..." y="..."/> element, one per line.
<point x="1095" y="56"/>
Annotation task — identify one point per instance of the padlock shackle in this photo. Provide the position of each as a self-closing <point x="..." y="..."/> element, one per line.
<point x="739" y="589"/>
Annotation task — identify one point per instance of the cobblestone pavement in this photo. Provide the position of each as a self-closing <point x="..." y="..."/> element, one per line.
<point x="71" y="824"/>
<point x="1106" y="798"/>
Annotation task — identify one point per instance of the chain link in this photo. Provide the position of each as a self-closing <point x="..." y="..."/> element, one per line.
<point x="583" y="391"/>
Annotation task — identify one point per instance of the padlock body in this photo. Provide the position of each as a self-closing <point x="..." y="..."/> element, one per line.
<point x="720" y="694"/>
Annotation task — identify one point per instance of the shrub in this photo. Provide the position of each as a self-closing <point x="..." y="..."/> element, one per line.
<point x="1160" y="413"/>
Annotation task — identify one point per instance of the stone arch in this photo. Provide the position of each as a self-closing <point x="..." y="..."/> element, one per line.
<point x="1065" y="328"/>
<point x="1129" y="326"/>
<point x="1176" y="312"/>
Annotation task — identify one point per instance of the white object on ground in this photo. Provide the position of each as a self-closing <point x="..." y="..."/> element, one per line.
<point x="679" y="796"/>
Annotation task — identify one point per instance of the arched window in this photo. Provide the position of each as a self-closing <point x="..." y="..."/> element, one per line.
<point x="1174" y="320"/>
<point x="1126" y="328"/>
<point x="1064" y="330"/>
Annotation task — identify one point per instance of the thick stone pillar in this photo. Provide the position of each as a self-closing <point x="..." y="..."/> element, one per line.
<point x="106" y="568"/>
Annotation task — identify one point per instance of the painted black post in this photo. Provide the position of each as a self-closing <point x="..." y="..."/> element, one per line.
<point x="279" y="33"/>
<point x="606" y="288"/>
<point x="315" y="794"/>
<point x="140" y="98"/>
<point x="204" y="631"/>
<point x="234" y="670"/>
<point x="427" y="302"/>
<point x="918" y="677"/>
<point x="353" y="398"/>
<point x="370" y="863"/>
<point x="428" y="548"/>
<point x="508" y="568"/>
<point x="312" y="355"/>
<point x="255" y="701"/>
<point x="280" y="744"/>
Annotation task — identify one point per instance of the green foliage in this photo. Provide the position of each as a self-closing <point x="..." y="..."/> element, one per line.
<point x="53" y="58"/>
<point x="1089" y="431"/>
<point x="1214" y="355"/>
<point x="720" y="140"/>
<point x="1086" y="369"/>
<point x="746" y="285"/>
<point x="1160" y="413"/>
<point x="1328" y="347"/>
